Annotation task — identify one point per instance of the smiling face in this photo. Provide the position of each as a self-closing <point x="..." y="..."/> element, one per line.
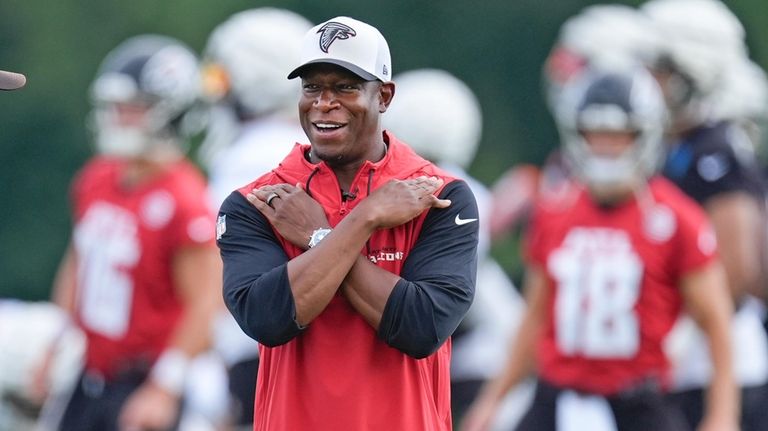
<point x="339" y="112"/>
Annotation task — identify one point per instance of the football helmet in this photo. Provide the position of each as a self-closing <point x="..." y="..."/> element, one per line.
<point x="245" y="72"/>
<point x="742" y="93"/>
<point x="742" y="98"/>
<point x="154" y="78"/>
<point x="248" y="57"/>
<point x="437" y="114"/>
<point x="701" y="39"/>
<point x="625" y="99"/>
<point x="607" y="35"/>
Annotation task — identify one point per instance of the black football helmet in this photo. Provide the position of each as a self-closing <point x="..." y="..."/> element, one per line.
<point x="156" y="74"/>
<point x="627" y="99"/>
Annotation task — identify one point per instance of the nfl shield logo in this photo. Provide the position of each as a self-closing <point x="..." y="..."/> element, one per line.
<point x="221" y="226"/>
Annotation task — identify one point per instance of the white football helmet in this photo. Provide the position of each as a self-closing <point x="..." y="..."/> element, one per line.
<point x="248" y="58"/>
<point x="742" y="98"/>
<point x="742" y="93"/>
<point x="156" y="73"/>
<point x="625" y="99"/>
<point x="245" y="75"/>
<point x="437" y="114"/>
<point x="701" y="39"/>
<point x="606" y="35"/>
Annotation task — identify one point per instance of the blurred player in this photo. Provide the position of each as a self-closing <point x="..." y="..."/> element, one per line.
<point x="254" y="123"/>
<point x="253" y="126"/>
<point x="610" y="266"/>
<point x="141" y="276"/>
<point x="28" y="330"/>
<point x="440" y="117"/>
<point x="602" y="35"/>
<point x="712" y="159"/>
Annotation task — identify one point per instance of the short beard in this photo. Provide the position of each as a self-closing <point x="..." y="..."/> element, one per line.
<point x="330" y="161"/>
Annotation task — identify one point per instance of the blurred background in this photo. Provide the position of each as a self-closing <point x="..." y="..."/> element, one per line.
<point x="497" y="47"/>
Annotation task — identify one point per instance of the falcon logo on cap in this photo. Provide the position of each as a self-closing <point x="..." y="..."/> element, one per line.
<point x="332" y="31"/>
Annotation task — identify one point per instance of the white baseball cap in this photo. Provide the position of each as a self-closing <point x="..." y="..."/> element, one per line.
<point x="349" y="43"/>
<point x="11" y="80"/>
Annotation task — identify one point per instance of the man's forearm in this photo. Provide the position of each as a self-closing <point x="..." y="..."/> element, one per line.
<point x="317" y="274"/>
<point x="367" y="287"/>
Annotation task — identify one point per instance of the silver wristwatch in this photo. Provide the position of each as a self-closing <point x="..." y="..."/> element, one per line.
<point x="318" y="236"/>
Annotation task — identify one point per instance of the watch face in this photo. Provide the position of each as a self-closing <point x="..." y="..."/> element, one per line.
<point x="318" y="236"/>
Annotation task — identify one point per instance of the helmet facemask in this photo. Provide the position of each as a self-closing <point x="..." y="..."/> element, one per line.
<point x="149" y="139"/>
<point x="608" y="109"/>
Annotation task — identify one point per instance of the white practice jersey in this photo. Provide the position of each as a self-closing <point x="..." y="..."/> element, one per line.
<point x="257" y="149"/>
<point x="492" y="319"/>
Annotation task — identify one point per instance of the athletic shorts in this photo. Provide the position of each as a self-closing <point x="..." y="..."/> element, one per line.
<point x="96" y="402"/>
<point x="642" y="408"/>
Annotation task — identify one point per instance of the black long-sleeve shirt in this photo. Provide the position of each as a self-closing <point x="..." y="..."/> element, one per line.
<point x="425" y="307"/>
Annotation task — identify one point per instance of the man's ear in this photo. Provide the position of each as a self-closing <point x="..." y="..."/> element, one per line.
<point x="386" y="93"/>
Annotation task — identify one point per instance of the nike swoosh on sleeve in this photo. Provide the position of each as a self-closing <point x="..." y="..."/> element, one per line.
<point x="461" y="221"/>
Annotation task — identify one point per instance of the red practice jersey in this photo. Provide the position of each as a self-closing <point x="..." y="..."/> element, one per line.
<point x="614" y="275"/>
<point x="125" y="240"/>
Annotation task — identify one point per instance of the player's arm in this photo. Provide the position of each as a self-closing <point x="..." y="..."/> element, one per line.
<point x="63" y="295"/>
<point x="512" y="197"/>
<point x="197" y="275"/>
<point x="196" y="272"/>
<point x="418" y="310"/>
<point x="64" y="282"/>
<point x="730" y="200"/>
<point x="521" y="359"/>
<point x="738" y="221"/>
<point x="706" y="299"/>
